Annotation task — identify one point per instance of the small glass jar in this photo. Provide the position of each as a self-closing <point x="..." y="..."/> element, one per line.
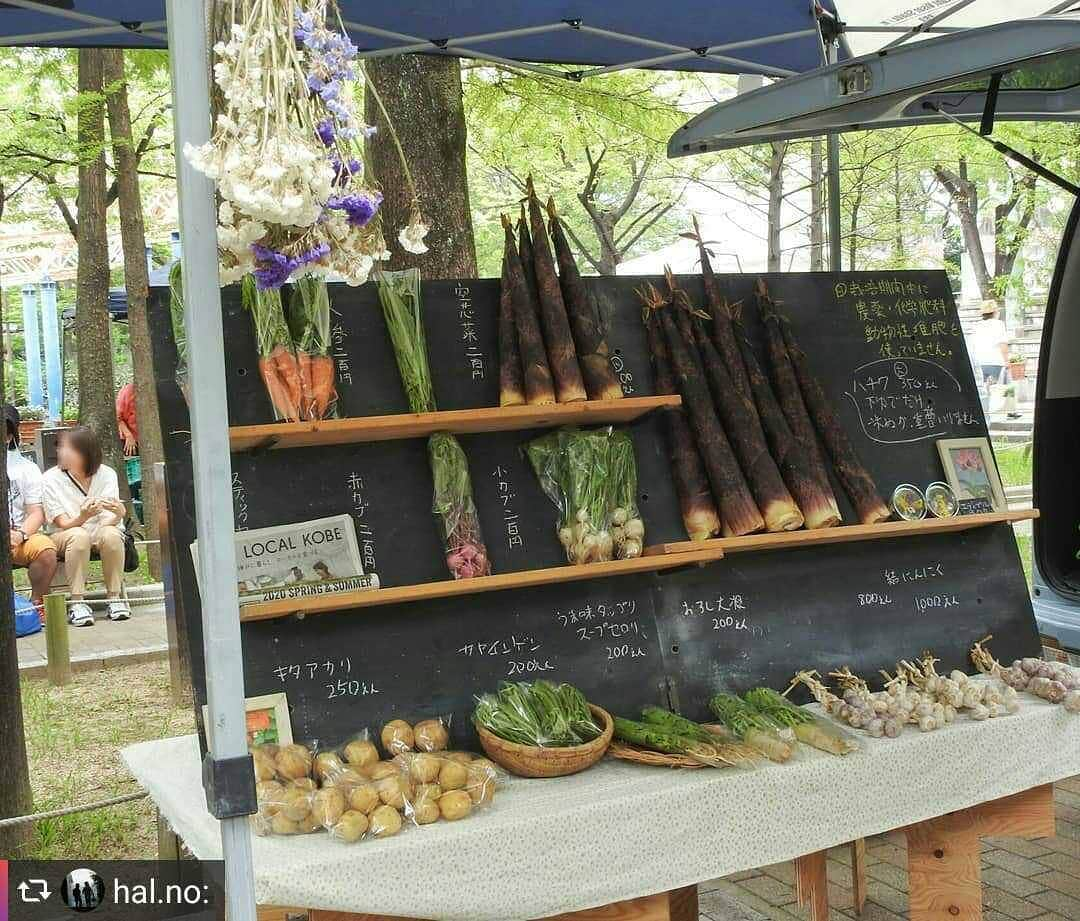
<point x="908" y="502"/>
<point x="941" y="501"/>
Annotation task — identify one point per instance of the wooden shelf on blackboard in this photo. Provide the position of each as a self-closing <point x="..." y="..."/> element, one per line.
<point x="856" y="532"/>
<point x="322" y="604"/>
<point x="459" y="421"/>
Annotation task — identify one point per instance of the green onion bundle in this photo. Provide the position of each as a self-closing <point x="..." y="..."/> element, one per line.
<point x="749" y="726"/>
<point x="807" y="728"/>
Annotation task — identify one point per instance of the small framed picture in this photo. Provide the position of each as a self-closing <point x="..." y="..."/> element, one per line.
<point x="971" y="471"/>
<point x="267" y="721"/>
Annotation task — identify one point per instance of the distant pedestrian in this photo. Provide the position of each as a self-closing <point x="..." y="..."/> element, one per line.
<point x="126" y="420"/>
<point x="990" y="344"/>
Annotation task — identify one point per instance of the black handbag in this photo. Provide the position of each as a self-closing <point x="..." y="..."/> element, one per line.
<point x="131" y="552"/>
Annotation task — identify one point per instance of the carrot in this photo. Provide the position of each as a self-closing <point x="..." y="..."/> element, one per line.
<point x="275" y="389"/>
<point x="289" y="373"/>
<point x="307" y="398"/>
<point x="323" y="384"/>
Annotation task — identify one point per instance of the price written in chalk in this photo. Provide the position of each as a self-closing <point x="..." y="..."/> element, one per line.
<point x="940" y="601"/>
<point x="724" y="613"/>
<point x="603" y="625"/>
<point x="901" y="402"/>
<point x="522" y="653"/>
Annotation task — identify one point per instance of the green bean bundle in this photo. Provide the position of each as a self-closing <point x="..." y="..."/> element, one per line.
<point x="540" y="714"/>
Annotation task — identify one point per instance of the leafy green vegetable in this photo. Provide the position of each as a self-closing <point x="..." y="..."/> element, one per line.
<point x="538" y="714"/>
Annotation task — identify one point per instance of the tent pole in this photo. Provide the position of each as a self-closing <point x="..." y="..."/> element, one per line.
<point x="832" y="149"/>
<point x="188" y="56"/>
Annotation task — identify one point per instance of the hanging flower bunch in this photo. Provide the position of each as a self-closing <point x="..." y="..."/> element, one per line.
<point x="285" y="150"/>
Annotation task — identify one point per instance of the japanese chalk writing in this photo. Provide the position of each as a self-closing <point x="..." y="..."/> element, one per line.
<point x="517" y="650"/>
<point x="338" y="338"/>
<point x="506" y="496"/>
<point x="917" y="574"/>
<point x="923" y="604"/>
<point x="626" y="378"/>
<point x="906" y="401"/>
<point x="240" y="503"/>
<point x="474" y="356"/>
<point x="354" y="487"/>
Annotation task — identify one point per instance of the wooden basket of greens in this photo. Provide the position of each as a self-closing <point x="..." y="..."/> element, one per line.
<point x="542" y="729"/>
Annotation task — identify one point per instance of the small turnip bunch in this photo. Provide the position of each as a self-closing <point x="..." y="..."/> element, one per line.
<point x="1053" y="682"/>
<point x="574" y="468"/>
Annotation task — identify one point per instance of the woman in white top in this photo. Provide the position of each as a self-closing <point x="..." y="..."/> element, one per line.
<point x="81" y="496"/>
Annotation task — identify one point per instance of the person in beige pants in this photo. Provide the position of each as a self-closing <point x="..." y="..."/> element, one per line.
<point x="81" y="496"/>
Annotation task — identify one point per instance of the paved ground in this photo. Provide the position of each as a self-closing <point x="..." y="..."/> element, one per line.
<point x="141" y="637"/>
<point x="1022" y="880"/>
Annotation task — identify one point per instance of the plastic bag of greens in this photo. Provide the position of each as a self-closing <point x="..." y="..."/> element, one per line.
<point x="627" y="525"/>
<point x="466" y="554"/>
<point x="573" y="467"/>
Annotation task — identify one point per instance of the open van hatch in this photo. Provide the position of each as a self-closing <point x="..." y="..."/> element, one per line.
<point x="1025" y="70"/>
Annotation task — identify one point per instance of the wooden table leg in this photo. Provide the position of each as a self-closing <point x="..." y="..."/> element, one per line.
<point x="811" y="884"/>
<point x="944" y="878"/>
<point x="858" y="873"/>
<point x="677" y="905"/>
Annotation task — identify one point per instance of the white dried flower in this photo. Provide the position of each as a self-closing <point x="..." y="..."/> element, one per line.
<point x="411" y="237"/>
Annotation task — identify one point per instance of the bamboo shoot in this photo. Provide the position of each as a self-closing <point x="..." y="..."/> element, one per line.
<point x="853" y="476"/>
<point x="696" y="502"/>
<point x="511" y="377"/>
<point x="562" y="356"/>
<point x="539" y="389"/>
<point x="592" y="349"/>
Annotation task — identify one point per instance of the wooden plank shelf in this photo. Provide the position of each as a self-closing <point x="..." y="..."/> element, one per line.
<point x="322" y="604"/>
<point x="459" y="421"/>
<point x="845" y="534"/>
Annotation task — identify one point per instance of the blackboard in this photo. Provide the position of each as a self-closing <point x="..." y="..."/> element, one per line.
<point x="890" y="354"/>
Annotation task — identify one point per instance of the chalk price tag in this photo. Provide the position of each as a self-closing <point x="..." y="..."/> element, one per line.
<point x="980" y="506"/>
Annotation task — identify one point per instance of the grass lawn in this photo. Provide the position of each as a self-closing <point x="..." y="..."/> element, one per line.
<point x="1023" y="544"/>
<point x="1014" y="462"/>
<point x="141" y="576"/>
<point x="74" y="735"/>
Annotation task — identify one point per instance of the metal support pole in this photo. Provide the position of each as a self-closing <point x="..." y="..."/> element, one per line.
<point x="189" y="60"/>
<point x="832" y="148"/>
<point x="54" y="368"/>
<point x="32" y="341"/>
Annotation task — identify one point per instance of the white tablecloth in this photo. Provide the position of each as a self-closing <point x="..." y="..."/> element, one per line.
<point x="621" y="831"/>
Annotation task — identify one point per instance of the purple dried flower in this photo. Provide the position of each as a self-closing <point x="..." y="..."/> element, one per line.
<point x="273" y="269"/>
<point x="344" y="172"/>
<point x="325" y="130"/>
<point x="315" y="254"/>
<point x="359" y="209"/>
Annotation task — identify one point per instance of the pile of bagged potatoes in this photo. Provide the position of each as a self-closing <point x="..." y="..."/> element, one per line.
<point x="354" y="791"/>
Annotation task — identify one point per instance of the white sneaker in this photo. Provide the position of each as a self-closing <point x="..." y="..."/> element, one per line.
<point x="80" y="615"/>
<point x="119" y="610"/>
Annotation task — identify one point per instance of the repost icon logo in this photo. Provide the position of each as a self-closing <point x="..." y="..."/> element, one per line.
<point x="82" y="890"/>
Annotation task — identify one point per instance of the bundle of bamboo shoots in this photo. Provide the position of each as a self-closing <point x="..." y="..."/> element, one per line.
<point x="739" y="513"/>
<point x="853" y="476"/>
<point x="744" y="430"/>
<point x="511" y="376"/>
<point x="592" y="349"/>
<point x="815" y="497"/>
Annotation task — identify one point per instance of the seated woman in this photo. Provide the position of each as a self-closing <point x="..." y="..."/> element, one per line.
<point x="81" y="496"/>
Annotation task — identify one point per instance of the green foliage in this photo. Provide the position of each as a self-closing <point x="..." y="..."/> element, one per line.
<point x="597" y="146"/>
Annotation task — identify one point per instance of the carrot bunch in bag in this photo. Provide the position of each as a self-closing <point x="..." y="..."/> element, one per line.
<point x="309" y="320"/>
<point x="466" y="554"/>
<point x="278" y="366"/>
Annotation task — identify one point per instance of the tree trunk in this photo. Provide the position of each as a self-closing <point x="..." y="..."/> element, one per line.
<point x="898" y="243"/>
<point x="965" y="199"/>
<point x="853" y="237"/>
<point x="776" y="199"/>
<point x="137" y="282"/>
<point x="97" y="386"/>
<point x="817" y="207"/>
<point x="422" y="96"/>
<point x="15" y="794"/>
